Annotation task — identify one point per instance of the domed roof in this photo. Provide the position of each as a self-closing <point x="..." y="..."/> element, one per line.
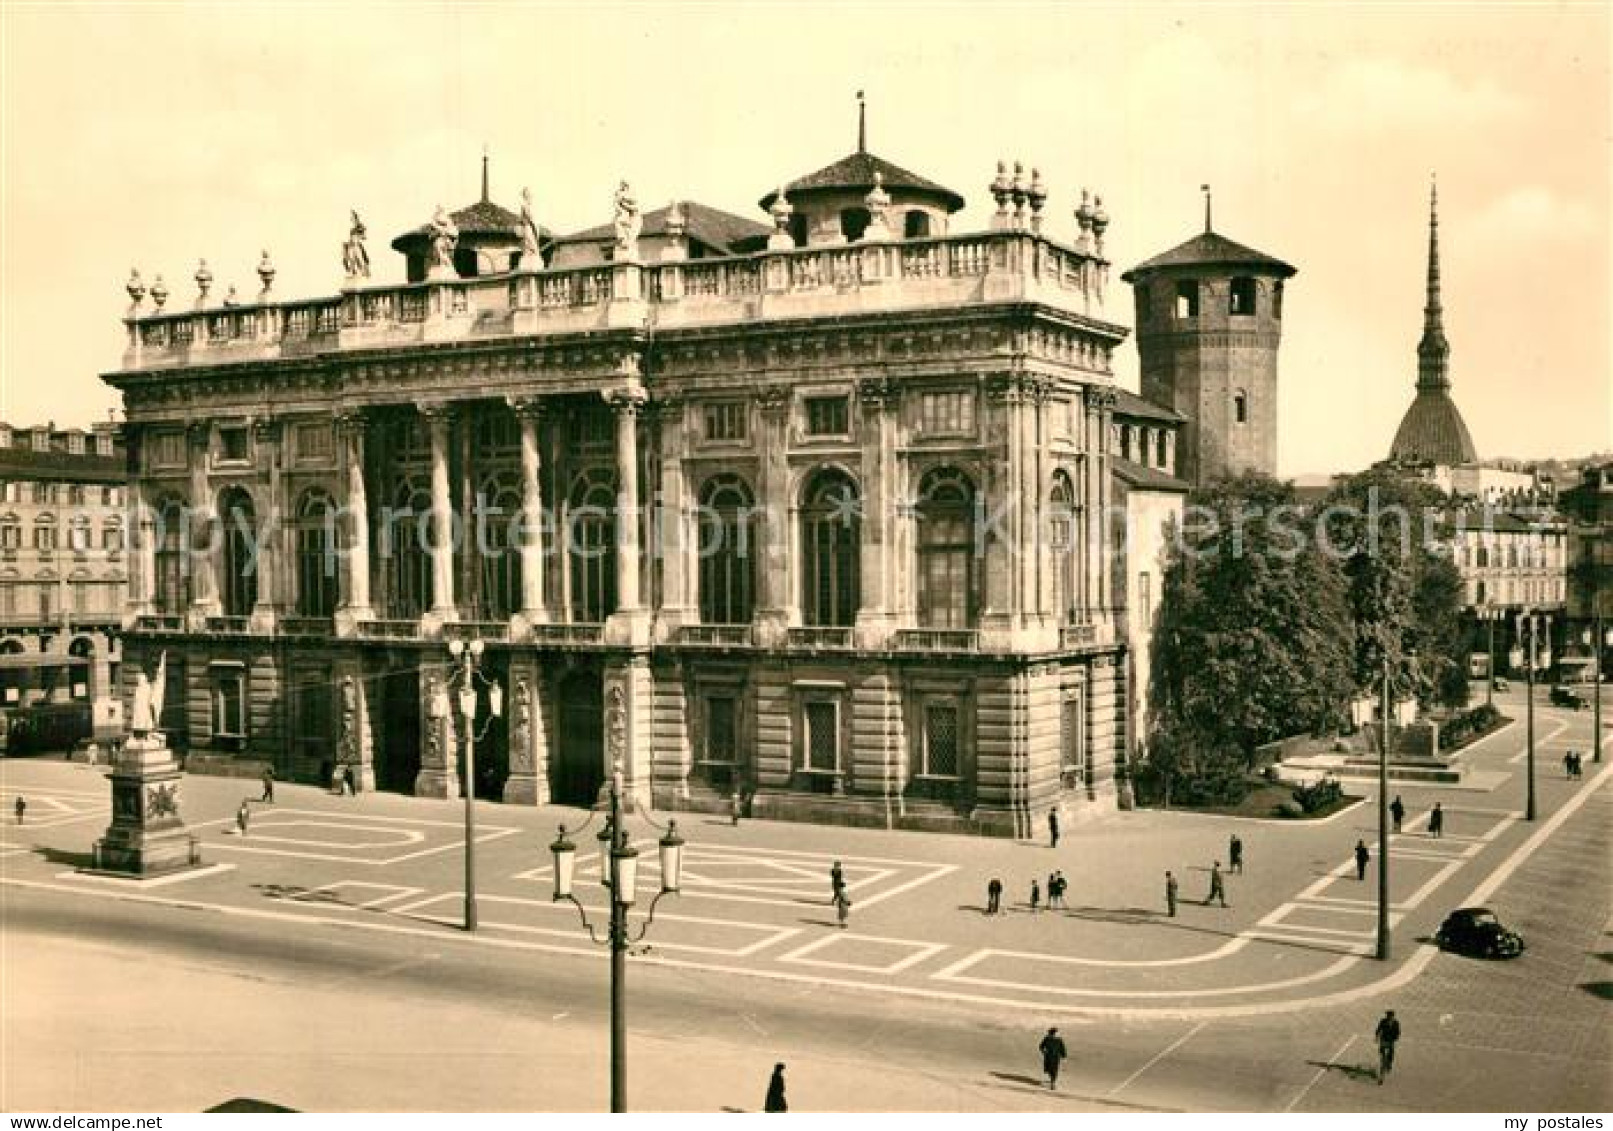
<point x="855" y="172"/>
<point x="1432" y="431"/>
<point x="484" y="218"/>
<point x="1211" y="249"/>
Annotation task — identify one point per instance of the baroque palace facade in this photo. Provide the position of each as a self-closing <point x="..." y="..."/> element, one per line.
<point x="811" y="510"/>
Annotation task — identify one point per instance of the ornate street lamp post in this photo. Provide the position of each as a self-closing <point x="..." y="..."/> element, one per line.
<point x="619" y="875"/>
<point x="469" y="658"/>
<point x="1534" y="624"/>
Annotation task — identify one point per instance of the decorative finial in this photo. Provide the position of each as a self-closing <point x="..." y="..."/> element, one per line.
<point x="135" y="286"/>
<point x="878" y="203"/>
<point x="1100" y="222"/>
<point x="204" y="280"/>
<point x="1205" y="189"/>
<point x="1037" y="195"/>
<point x="159" y="291"/>
<point x="1000" y="188"/>
<point x="266" y="274"/>
<point x="1017" y="192"/>
<point x="781" y="210"/>
<point x="229" y="297"/>
<point x="862" y="124"/>
<point x="484" y="173"/>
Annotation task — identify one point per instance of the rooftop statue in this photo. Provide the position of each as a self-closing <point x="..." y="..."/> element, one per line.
<point x="530" y="256"/>
<point x="355" y="259"/>
<point x="444" y="234"/>
<point x="628" y="221"/>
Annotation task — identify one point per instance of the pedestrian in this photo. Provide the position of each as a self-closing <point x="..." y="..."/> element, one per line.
<point x="994" y="896"/>
<point x="1052" y="890"/>
<point x="1170" y="895"/>
<point x="1053" y="826"/>
<point x="1579" y="765"/>
<point x="243" y="817"/>
<point x="268" y="786"/>
<point x="843" y="908"/>
<point x="1387" y="1033"/>
<point x="1235" y="854"/>
<point x="1036" y="896"/>
<point x="1064" y="885"/>
<point x="1397" y="811"/>
<point x="1362" y="858"/>
<point x="1218" y="889"/>
<point x="1568" y="765"/>
<point x="837" y="882"/>
<point x="775" y="1091"/>
<point x="21" y="807"/>
<point x="1436" y="821"/>
<point x="736" y="804"/>
<point x="1053" y="1054"/>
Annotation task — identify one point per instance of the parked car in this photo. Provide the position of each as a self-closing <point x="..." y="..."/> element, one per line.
<point x="1571" y="697"/>
<point x="1476" y="932"/>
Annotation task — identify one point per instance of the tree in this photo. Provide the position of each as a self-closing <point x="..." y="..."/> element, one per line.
<point x="1393" y="533"/>
<point x="1253" y="634"/>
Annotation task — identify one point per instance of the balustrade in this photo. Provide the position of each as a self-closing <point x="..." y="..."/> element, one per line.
<point x="938" y="640"/>
<point x="716" y="635"/>
<point x="820" y="637"/>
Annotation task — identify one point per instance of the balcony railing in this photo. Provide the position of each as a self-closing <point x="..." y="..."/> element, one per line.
<point x="159" y="622"/>
<point x="938" y="640"/>
<point x="389" y="629"/>
<point x="468" y="630"/>
<point x="305" y="626"/>
<point x="228" y="626"/>
<point x="898" y="274"/>
<point x="1077" y="635"/>
<point x="567" y="633"/>
<point x="716" y="635"/>
<point x="821" y="637"/>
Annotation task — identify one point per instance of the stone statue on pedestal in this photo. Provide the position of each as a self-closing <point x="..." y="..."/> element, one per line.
<point x="531" y="257"/>
<point x="444" y="235"/>
<point x="628" y="221"/>
<point x="355" y="259"/>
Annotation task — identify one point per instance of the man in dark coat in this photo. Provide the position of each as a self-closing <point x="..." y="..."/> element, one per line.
<point x="1053" y="1054"/>
<point x="837" y="882"/>
<point x="1436" y="821"/>
<point x="1386" y="1034"/>
<point x="775" y="1091"/>
<point x="994" y="896"/>
<point x="1218" y="887"/>
<point x="1397" y="811"/>
<point x="268" y="786"/>
<point x="1053" y="826"/>
<point x="1362" y="859"/>
<point x="1235" y="854"/>
<point x="1170" y="895"/>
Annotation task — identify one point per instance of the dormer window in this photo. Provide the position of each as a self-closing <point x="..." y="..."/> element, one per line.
<point x="916" y="225"/>
<point x="1243" y="295"/>
<point x="1187" y="298"/>
<point x="853" y="223"/>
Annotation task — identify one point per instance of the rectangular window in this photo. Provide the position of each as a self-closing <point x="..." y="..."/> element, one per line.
<point x="10" y="536"/>
<point x="232" y="444"/>
<point x="1072" y="743"/>
<point x="828" y="416"/>
<point x="1243" y="296"/>
<point x="1187" y="298"/>
<point x="112" y="538"/>
<point x="44" y="537"/>
<point x="167" y="449"/>
<point x="947" y="414"/>
<point x="822" y="734"/>
<point x="78" y="539"/>
<point x="314" y="442"/>
<point x="726" y="421"/>
<point x="722" y="714"/>
<point x="8" y="597"/>
<point x="941" y="728"/>
<point x="229" y="701"/>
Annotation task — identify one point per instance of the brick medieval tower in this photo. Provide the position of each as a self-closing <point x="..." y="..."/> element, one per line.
<point x="1209" y="320"/>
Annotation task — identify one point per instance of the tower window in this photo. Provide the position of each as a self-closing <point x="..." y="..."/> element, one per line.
<point x="853" y="223"/>
<point x="1277" y="299"/>
<point x="916" y="225"/>
<point x="1187" y="298"/>
<point x="1243" y="295"/>
<point x="798" y="229"/>
<point x="1240" y="407"/>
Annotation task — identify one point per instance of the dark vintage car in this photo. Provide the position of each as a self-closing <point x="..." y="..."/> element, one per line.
<point x="1475" y="931"/>
<point x="1564" y="696"/>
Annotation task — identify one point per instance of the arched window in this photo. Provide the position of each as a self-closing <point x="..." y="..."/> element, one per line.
<point x="1240" y="407"/>
<point x="853" y="223"/>
<point x="239" y="580"/>
<point x="946" y="550"/>
<point x="171" y="585"/>
<point x="316" y="555"/>
<point x="728" y="551"/>
<point x="497" y="515"/>
<point x="831" y="531"/>
<point x="591" y="544"/>
<point x="1062" y="525"/>
<point x="404" y="546"/>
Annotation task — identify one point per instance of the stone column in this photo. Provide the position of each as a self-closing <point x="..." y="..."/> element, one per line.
<point x="439" y="736"/>
<point x="528" y="781"/>
<point x="1000" y="549"/>
<point x="439" y="419"/>
<point x="629" y="623"/>
<point x="142" y="533"/>
<point x="1103" y="496"/>
<point x="775" y="594"/>
<point x="355" y="604"/>
<point x="534" y="608"/>
<point x="271" y="529"/>
<point x="678" y="541"/>
<point x="877" y="562"/>
<point x="1090" y="472"/>
<point x="204" y="526"/>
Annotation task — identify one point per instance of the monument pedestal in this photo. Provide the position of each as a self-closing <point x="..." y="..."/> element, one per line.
<point x="147" y="837"/>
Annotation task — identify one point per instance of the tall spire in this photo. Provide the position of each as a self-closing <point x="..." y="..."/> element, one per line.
<point x="1433" y="351"/>
<point x="862" y="124"/>
<point x="1205" y="189"/>
<point x="484" y="174"/>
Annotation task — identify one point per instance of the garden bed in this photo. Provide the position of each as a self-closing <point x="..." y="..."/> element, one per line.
<point x="1267" y="799"/>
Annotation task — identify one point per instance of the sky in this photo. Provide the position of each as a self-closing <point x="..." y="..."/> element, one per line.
<point x="154" y="135"/>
